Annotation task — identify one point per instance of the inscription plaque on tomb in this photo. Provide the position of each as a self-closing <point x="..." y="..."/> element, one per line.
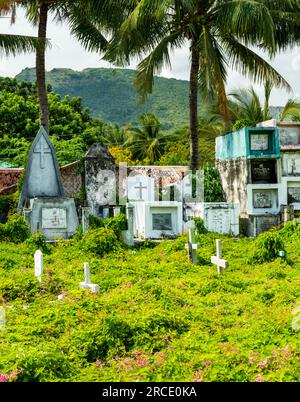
<point x="259" y="142"/>
<point x="293" y="194"/>
<point x="218" y="221"/>
<point x="262" y="199"/>
<point x="54" y="218"/>
<point x="290" y="137"/>
<point x="293" y="166"/>
<point x="162" y="222"/>
<point x="263" y="172"/>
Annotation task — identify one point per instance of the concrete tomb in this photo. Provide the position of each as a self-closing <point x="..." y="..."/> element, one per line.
<point x="42" y="200"/>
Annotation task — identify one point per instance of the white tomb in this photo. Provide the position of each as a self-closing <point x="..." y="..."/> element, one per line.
<point x="219" y="217"/>
<point x="154" y="220"/>
<point x="263" y="198"/>
<point x="140" y="188"/>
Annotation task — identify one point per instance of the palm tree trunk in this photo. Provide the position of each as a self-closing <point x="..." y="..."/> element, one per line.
<point x="40" y="67"/>
<point x="193" y="104"/>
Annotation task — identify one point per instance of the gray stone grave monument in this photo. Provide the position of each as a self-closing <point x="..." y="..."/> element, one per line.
<point x="42" y="200"/>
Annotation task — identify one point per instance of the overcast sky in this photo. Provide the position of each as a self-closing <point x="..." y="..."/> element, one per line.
<point x="67" y="53"/>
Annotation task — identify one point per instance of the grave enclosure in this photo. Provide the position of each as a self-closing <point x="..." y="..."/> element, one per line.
<point x="260" y="170"/>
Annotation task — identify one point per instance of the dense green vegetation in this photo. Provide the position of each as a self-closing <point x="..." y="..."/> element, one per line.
<point x="156" y="317"/>
<point x="110" y="94"/>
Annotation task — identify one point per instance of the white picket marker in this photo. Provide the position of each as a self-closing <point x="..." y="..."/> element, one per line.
<point x="192" y="247"/>
<point x="217" y="260"/>
<point x="38" y="265"/>
<point x="87" y="280"/>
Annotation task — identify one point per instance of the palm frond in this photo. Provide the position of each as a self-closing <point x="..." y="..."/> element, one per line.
<point x="11" y="45"/>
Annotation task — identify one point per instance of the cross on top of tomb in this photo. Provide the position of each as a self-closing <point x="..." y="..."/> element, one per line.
<point x="42" y="149"/>
<point x="140" y="187"/>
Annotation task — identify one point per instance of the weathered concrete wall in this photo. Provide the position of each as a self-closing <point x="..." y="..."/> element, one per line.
<point x="72" y="179"/>
<point x="257" y="224"/>
<point x="234" y="176"/>
<point x="100" y="178"/>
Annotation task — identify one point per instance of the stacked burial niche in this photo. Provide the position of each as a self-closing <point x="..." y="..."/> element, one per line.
<point x="250" y="167"/>
<point x="42" y="200"/>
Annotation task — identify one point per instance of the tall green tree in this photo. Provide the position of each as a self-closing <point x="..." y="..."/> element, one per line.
<point x="247" y="109"/>
<point x="87" y="19"/>
<point x="146" y="142"/>
<point x="219" y="33"/>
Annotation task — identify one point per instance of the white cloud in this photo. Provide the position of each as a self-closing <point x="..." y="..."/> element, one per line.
<point x="67" y="53"/>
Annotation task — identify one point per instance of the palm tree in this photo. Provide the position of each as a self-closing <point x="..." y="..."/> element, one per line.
<point x="147" y="141"/>
<point x="87" y="20"/>
<point x="11" y="45"/>
<point x="247" y="110"/>
<point x="219" y="33"/>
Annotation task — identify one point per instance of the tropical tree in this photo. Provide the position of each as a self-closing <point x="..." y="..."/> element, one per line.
<point x="219" y="33"/>
<point x="247" y="109"/>
<point x="87" y="19"/>
<point x="11" y="45"/>
<point x="147" y="141"/>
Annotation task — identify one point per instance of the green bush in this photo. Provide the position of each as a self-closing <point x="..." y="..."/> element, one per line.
<point x="200" y="227"/>
<point x="16" y="230"/>
<point x="267" y="247"/>
<point x="37" y="241"/>
<point x="100" y="241"/>
<point x="116" y="223"/>
<point x="8" y="204"/>
<point x="43" y="366"/>
<point x="213" y="190"/>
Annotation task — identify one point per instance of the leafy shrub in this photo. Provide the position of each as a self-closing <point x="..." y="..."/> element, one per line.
<point x="37" y="366"/>
<point x="100" y="241"/>
<point x="16" y="230"/>
<point x="8" y="204"/>
<point x="266" y="248"/>
<point x="24" y="288"/>
<point x="213" y="190"/>
<point x="99" y="342"/>
<point x="95" y="222"/>
<point x="200" y="227"/>
<point x="117" y="223"/>
<point x="37" y="241"/>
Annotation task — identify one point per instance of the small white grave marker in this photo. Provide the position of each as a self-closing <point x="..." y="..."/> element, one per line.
<point x="87" y="280"/>
<point x="2" y="318"/>
<point x="191" y="246"/>
<point x="38" y="265"/>
<point x="217" y="260"/>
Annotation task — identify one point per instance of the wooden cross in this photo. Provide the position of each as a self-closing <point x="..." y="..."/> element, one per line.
<point x="42" y="151"/>
<point x="141" y="188"/>
<point x="192" y="247"/>
<point x="217" y="260"/>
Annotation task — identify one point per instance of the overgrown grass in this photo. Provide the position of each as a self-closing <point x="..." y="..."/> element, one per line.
<point x="156" y="318"/>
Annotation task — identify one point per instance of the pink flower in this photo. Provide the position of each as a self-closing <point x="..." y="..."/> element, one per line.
<point x="207" y="363"/>
<point x="158" y="363"/>
<point x="98" y="363"/>
<point x="259" y="378"/>
<point x="251" y="360"/>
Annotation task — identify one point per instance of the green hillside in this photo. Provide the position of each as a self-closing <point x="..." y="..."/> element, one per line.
<point x="110" y="94"/>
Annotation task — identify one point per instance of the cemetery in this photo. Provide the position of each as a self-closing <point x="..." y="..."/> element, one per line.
<point x="149" y="217"/>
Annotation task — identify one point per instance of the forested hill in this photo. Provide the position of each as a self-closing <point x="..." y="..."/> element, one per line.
<point x="110" y="94"/>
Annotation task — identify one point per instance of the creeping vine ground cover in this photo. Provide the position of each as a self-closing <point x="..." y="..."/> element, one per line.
<point x="157" y="316"/>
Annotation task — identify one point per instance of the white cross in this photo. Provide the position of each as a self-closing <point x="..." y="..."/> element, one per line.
<point x="217" y="260"/>
<point x="42" y="151"/>
<point x="87" y="280"/>
<point x="141" y="188"/>
<point x="38" y="265"/>
<point x="192" y="247"/>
